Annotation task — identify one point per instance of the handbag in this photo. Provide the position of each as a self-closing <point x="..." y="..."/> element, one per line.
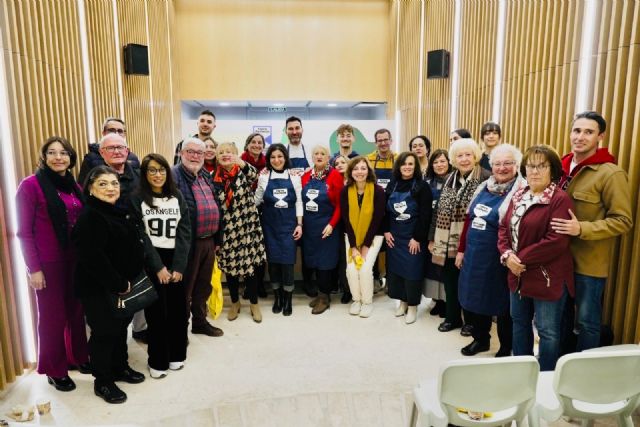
<point x="141" y="295"/>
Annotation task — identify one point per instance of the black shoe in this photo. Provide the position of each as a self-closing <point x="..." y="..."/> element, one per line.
<point x="110" y="393"/>
<point x="62" y="384"/>
<point x="346" y="298"/>
<point x="503" y="352"/>
<point x="207" y="329"/>
<point x="474" y="348"/>
<point x="83" y="368"/>
<point x="130" y="376"/>
<point x="277" y="301"/>
<point x="448" y="326"/>
<point x="140" y="336"/>
<point x="467" y="330"/>
<point x="438" y="309"/>
<point x="287" y="309"/>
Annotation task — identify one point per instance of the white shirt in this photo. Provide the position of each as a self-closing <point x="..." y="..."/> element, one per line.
<point x="263" y="181"/>
<point x="162" y="221"/>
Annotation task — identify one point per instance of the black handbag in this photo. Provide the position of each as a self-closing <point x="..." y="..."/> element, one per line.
<point x="141" y="295"/>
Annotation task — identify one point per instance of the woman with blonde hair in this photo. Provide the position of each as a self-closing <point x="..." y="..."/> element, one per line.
<point x="363" y="208"/>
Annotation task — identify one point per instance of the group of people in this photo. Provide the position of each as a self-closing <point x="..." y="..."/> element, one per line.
<point x="483" y="230"/>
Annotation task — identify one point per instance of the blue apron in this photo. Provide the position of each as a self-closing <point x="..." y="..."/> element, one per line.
<point x="299" y="163"/>
<point x="434" y="271"/>
<point x="279" y="221"/>
<point x="403" y="212"/>
<point x="383" y="176"/>
<point x="482" y="286"/>
<point x="318" y="252"/>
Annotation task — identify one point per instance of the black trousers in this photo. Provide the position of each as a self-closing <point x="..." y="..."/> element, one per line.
<point x="167" y="320"/>
<point x="251" y="289"/>
<point x="409" y="291"/>
<point x="482" y="327"/>
<point x="325" y="279"/>
<point x="281" y="275"/>
<point x="450" y="275"/>
<point x="108" y="340"/>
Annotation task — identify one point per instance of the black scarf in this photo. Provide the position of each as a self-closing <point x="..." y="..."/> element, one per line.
<point x="52" y="183"/>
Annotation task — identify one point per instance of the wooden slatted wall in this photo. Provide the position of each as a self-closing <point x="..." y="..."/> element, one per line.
<point x="436" y="95"/>
<point x="477" y="67"/>
<point x="45" y="83"/>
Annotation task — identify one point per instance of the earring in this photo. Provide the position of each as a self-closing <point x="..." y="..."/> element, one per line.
<point x="91" y="194"/>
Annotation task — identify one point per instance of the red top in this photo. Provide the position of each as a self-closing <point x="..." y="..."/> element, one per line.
<point x="334" y="182"/>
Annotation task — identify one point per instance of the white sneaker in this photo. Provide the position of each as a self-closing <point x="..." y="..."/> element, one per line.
<point x="412" y="313"/>
<point x="354" y="310"/>
<point x="154" y="373"/>
<point x="402" y="309"/>
<point x="366" y="310"/>
<point x="176" y="366"/>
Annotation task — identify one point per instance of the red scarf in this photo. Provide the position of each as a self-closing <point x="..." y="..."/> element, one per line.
<point x="227" y="177"/>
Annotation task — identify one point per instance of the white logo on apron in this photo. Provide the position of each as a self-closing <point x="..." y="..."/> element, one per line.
<point x="280" y="194"/>
<point x="400" y="208"/>
<point x="312" y="194"/>
<point x="479" y="224"/>
<point x="481" y="210"/>
<point x="383" y="182"/>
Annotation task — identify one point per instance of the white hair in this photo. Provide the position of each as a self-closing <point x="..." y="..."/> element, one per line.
<point x="115" y="136"/>
<point x="192" y="140"/>
<point x="322" y="148"/>
<point x="506" y="149"/>
<point x="464" y="144"/>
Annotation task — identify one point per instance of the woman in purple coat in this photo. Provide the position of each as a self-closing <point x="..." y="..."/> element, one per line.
<point x="49" y="203"/>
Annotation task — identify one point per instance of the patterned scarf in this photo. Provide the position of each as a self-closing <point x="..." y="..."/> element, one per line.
<point x="227" y="178"/>
<point x="456" y="195"/>
<point x="494" y="188"/>
<point x="522" y="200"/>
<point x="320" y="175"/>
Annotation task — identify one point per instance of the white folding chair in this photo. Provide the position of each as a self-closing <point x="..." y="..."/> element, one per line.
<point x="504" y="387"/>
<point x="590" y="385"/>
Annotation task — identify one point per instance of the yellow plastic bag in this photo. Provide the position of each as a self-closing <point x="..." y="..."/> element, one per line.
<point x="216" y="299"/>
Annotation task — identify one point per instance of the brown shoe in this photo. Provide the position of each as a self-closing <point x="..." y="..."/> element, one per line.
<point x="255" y="313"/>
<point x="207" y="329"/>
<point x="322" y="305"/>
<point x="234" y="310"/>
<point x="314" y="302"/>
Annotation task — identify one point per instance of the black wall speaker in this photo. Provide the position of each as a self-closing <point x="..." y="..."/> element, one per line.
<point x="136" y="59"/>
<point x="438" y="64"/>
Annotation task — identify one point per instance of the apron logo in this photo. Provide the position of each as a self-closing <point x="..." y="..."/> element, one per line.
<point x="479" y="224"/>
<point x="312" y="194"/>
<point x="400" y="208"/>
<point x="280" y="194"/>
<point x="481" y="210"/>
<point x="383" y="182"/>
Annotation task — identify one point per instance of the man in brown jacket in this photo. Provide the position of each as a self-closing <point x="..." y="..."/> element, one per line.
<point x="600" y="191"/>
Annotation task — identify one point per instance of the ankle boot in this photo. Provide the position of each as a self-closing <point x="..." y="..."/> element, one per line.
<point x="255" y="313"/>
<point x="234" y="310"/>
<point x="277" y="301"/>
<point x="314" y="301"/>
<point x="322" y="304"/>
<point x="287" y="309"/>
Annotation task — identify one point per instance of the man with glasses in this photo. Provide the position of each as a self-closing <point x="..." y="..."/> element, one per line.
<point x="93" y="158"/>
<point x="206" y="125"/>
<point x="601" y="196"/>
<point x="197" y="188"/>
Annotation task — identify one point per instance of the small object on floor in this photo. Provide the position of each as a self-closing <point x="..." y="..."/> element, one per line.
<point x="366" y="310"/>
<point x="233" y="311"/>
<point x="128" y="375"/>
<point x="176" y="366"/>
<point x="140" y="336"/>
<point x="466" y="330"/>
<point x="110" y="392"/>
<point x="4" y="423"/>
<point x="22" y="413"/>
<point x="156" y="374"/>
<point x="43" y="406"/>
<point x="502" y="352"/>
<point x="62" y="384"/>
<point x="474" y="348"/>
<point x="448" y="326"/>
<point x="402" y="309"/>
<point x="346" y="297"/>
<point x="412" y="315"/>
<point x="207" y="329"/>
<point x="354" y="310"/>
<point x="256" y="314"/>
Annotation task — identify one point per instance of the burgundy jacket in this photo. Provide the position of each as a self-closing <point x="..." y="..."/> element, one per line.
<point x="544" y="252"/>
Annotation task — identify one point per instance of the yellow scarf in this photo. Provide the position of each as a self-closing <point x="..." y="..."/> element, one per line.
<point x="360" y="217"/>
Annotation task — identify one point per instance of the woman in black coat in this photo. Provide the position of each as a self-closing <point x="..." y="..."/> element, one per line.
<point x="110" y="256"/>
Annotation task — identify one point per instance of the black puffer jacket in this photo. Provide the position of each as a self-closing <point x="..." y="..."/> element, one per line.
<point x="110" y="251"/>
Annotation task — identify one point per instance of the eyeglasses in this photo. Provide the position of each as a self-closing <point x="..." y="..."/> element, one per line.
<point x="539" y="168"/>
<point x="194" y="152"/>
<point x="114" y="148"/>
<point x="154" y="171"/>
<point x="63" y="153"/>
<point x="383" y="140"/>
<point x="118" y="131"/>
<point x="506" y="164"/>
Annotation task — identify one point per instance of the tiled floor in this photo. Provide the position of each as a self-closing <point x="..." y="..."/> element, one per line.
<point x="304" y="370"/>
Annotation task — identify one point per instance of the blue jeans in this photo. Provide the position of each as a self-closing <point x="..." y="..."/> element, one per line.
<point x="548" y="320"/>
<point x="589" y="310"/>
